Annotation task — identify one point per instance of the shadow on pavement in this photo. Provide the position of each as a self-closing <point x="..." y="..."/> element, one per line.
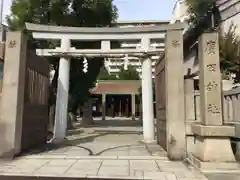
<point x="81" y="140"/>
<point x="113" y="123"/>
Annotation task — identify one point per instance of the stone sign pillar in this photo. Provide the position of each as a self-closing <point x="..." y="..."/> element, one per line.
<point x="213" y="147"/>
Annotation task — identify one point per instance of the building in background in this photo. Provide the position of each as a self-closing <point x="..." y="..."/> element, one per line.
<point x="229" y="10"/>
<point x="230" y="14"/>
<point x="180" y="12"/>
<point x="113" y="64"/>
<point x="116" y="98"/>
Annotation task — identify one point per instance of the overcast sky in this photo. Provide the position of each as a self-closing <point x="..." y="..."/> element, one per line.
<point x="132" y="9"/>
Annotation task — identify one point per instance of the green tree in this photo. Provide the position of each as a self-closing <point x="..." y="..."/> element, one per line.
<point x="104" y="75"/>
<point x="124" y="74"/>
<point x="78" y="13"/>
<point x="128" y="74"/>
<point x="201" y="13"/>
<point x="204" y="12"/>
<point x="229" y="45"/>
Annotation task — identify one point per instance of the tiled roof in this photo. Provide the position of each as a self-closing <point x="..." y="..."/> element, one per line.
<point x="116" y="87"/>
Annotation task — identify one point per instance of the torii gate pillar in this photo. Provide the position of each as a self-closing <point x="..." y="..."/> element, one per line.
<point x="61" y="115"/>
<point x="147" y="96"/>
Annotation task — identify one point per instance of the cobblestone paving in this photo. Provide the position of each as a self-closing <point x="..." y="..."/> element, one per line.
<point x="102" y="152"/>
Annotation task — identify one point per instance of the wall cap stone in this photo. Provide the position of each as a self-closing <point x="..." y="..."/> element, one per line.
<point x="213" y="167"/>
<point x="213" y="131"/>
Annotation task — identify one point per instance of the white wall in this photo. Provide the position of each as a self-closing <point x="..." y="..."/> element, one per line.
<point x="180" y="11"/>
<point x="235" y="20"/>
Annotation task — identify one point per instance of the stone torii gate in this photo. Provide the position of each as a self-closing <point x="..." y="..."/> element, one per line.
<point x="144" y="34"/>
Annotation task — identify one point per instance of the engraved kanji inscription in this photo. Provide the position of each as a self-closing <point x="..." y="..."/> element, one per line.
<point x="175" y="43"/>
<point x="212" y="108"/>
<point x="212" y="67"/>
<point x="211" y="47"/>
<point x="12" y="44"/>
<point x="211" y="86"/>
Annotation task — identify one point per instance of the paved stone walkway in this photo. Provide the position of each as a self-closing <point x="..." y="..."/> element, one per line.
<point x="101" y="168"/>
<point x="226" y="176"/>
<point x="105" y="138"/>
<point x="104" y="150"/>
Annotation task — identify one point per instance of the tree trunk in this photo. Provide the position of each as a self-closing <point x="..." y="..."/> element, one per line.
<point x="237" y="79"/>
<point x="87" y="118"/>
<point x="51" y="118"/>
<point x="71" y="119"/>
<point x="73" y="116"/>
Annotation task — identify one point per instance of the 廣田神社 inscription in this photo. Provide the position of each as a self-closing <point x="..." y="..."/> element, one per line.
<point x="211" y="47"/>
<point x="212" y="86"/>
<point x="12" y="44"/>
<point x="175" y="43"/>
<point x="212" y="108"/>
<point x="212" y="67"/>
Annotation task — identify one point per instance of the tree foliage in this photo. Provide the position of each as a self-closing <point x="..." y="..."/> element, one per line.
<point x="104" y="75"/>
<point x="229" y="45"/>
<point x="89" y="13"/>
<point x="128" y="74"/>
<point x="124" y="74"/>
<point x="78" y="13"/>
<point x="200" y="12"/>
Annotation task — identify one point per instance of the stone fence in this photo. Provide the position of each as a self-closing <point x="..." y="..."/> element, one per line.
<point x="231" y="114"/>
<point x="231" y="106"/>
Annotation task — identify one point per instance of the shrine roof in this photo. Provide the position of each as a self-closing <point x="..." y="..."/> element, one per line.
<point x="117" y="87"/>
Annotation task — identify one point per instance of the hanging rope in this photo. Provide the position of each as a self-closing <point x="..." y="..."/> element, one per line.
<point x="85" y="65"/>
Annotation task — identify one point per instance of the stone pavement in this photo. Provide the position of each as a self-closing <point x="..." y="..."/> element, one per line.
<point x="105" y="150"/>
<point x="101" y="168"/>
<point x="105" y="138"/>
<point x="226" y="176"/>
